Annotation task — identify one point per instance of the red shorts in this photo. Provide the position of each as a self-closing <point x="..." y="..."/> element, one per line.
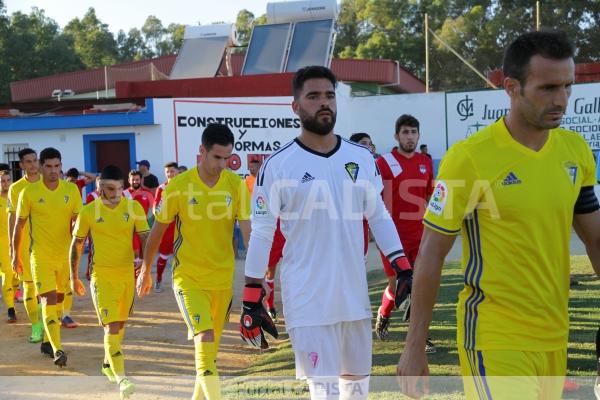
<point x="136" y="243"/>
<point x="166" y="243"/>
<point x="276" y="249"/>
<point x="411" y="254"/>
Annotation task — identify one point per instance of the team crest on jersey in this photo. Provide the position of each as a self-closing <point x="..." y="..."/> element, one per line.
<point x="193" y="201"/>
<point x="228" y="200"/>
<point x="571" y="169"/>
<point x="260" y="209"/>
<point x="99" y="220"/>
<point x="438" y="198"/>
<point x="314" y="358"/>
<point x="197" y="318"/>
<point x="66" y="198"/>
<point x="352" y="170"/>
<point x="126" y="217"/>
<point x="41" y="200"/>
<point x="105" y="312"/>
<point x="422" y="169"/>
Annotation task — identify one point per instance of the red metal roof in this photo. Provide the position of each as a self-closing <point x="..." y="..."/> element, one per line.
<point x="375" y="71"/>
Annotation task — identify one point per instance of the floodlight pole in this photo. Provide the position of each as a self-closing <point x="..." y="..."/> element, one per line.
<point x="537" y="15"/>
<point x="426" y="54"/>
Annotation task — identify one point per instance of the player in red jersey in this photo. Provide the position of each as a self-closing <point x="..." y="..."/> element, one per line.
<point x="407" y="185"/>
<point x="166" y="243"/>
<point x="145" y="197"/>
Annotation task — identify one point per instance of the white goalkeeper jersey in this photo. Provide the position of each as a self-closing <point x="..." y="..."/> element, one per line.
<point x="321" y="200"/>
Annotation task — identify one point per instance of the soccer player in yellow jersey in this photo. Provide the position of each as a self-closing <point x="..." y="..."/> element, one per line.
<point x="204" y="202"/>
<point x="513" y="190"/>
<point x="9" y="283"/>
<point x="48" y="208"/>
<point x="110" y="220"/>
<point x="28" y="162"/>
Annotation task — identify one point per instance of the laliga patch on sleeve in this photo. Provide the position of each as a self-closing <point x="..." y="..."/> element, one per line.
<point x="438" y="198"/>
<point x="260" y="207"/>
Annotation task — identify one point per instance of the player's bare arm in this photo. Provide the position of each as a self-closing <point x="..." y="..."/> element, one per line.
<point x="426" y="282"/>
<point x="77" y="245"/>
<point x="16" y="244"/>
<point x="245" y="228"/>
<point x="587" y="227"/>
<point x="144" y="282"/>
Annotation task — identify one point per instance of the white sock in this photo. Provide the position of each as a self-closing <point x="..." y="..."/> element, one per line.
<point x="354" y="390"/>
<point x="323" y="388"/>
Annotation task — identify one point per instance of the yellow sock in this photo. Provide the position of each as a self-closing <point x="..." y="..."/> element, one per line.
<point x="207" y="378"/>
<point x="7" y="290"/>
<point x="67" y="303"/>
<point x="52" y="325"/>
<point x="30" y="302"/>
<point x="114" y="354"/>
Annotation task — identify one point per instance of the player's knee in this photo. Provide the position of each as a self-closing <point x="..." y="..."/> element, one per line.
<point x="49" y="298"/>
<point x="113" y="328"/>
<point x="205" y="336"/>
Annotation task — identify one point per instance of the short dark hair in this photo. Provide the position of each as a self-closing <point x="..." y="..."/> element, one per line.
<point x="111" y="172"/>
<point x="422" y="146"/>
<point x="72" y="173"/>
<point x="312" y="72"/>
<point x="4" y="167"/>
<point x="408" y="120"/>
<point x="357" y="137"/>
<point x="135" y="172"/>
<point x="48" y="154"/>
<point x="216" y="134"/>
<point x="254" y="161"/>
<point x="182" y="168"/>
<point x="171" y="164"/>
<point x="24" y="152"/>
<point x="554" y="45"/>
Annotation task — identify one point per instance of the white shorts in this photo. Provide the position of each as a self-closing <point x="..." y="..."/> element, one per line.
<point x="344" y="348"/>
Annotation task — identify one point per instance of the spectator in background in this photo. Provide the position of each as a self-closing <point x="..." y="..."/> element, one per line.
<point x="4" y="167"/>
<point x="423" y="149"/>
<point x="149" y="180"/>
<point x="79" y="178"/>
<point x="253" y="167"/>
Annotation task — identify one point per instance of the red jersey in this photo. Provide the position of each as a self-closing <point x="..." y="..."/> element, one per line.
<point x="91" y="197"/>
<point x="408" y="184"/>
<point x="159" y="191"/>
<point x="144" y="197"/>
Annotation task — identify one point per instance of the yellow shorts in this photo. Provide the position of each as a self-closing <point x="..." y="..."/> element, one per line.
<point x="202" y="309"/>
<point x="5" y="265"/>
<point x="507" y="374"/>
<point x="49" y="276"/>
<point x="113" y="297"/>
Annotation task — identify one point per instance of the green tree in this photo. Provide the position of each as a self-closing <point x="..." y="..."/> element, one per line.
<point x="131" y="46"/>
<point x="154" y="33"/>
<point x="94" y="43"/>
<point x="48" y="50"/>
<point x="244" y="23"/>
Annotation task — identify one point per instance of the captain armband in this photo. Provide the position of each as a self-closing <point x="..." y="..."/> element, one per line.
<point x="587" y="202"/>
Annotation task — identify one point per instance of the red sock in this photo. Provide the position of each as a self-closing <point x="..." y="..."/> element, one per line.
<point x="271" y="297"/>
<point x="387" y="303"/>
<point x="161" y="264"/>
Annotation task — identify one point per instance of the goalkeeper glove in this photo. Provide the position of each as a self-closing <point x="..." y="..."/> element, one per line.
<point x="254" y="318"/>
<point x="404" y="274"/>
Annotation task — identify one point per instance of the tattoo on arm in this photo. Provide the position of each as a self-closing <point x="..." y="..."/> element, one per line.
<point x="76" y="250"/>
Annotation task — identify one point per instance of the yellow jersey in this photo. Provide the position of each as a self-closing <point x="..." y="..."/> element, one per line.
<point x="50" y="213"/>
<point x="4" y="221"/>
<point x="514" y="209"/>
<point x="14" y="191"/>
<point x="112" y="231"/>
<point x="204" y="220"/>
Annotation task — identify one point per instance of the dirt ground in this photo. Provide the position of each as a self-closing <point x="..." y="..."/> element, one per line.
<point x="159" y="358"/>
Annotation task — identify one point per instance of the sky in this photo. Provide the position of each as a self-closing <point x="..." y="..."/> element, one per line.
<point x="127" y="14"/>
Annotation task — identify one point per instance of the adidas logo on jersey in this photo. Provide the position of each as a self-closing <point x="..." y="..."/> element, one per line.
<point x="100" y="220"/>
<point x="193" y="201"/>
<point x="511" y="179"/>
<point x="307" y="178"/>
<point x="41" y="200"/>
